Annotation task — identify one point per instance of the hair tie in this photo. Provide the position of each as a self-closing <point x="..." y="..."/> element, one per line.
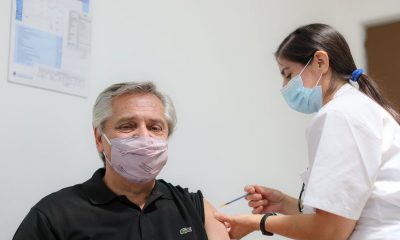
<point x="356" y="74"/>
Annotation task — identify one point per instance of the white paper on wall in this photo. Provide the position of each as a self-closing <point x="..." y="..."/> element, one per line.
<point x="50" y="45"/>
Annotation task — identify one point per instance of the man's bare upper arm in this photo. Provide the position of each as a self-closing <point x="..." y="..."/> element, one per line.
<point x="215" y="229"/>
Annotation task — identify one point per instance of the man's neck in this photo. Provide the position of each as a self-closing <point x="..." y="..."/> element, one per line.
<point x="136" y="193"/>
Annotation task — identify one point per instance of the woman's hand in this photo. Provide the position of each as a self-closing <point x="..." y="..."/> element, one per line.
<point x="263" y="200"/>
<point x="318" y="225"/>
<point x="241" y="225"/>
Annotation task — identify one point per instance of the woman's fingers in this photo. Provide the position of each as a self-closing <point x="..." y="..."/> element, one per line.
<point x="250" y="189"/>
<point x="258" y="203"/>
<point x="254" y="197"/>
<point x="227" y="225"/>
<point x="258" y="210"/>
<point x="222" y="217"/>
<point x="262" y="190"/>
<point x="257" y="192"/>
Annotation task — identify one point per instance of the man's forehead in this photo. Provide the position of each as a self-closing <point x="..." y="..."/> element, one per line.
<point x="128" y="104"/>
<point x="138" y="100"/>
<point x="146" y="102"/>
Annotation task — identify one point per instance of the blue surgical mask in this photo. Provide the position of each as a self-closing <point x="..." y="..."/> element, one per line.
<point x="301" y="99"/>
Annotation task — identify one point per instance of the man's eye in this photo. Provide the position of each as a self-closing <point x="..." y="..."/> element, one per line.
<point x="125" y="127"/>
<point x="289" y="76"/>
<point x="156" y="128"/>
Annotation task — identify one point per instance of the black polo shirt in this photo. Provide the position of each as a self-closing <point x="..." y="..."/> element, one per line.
<point x="92" y="211"/>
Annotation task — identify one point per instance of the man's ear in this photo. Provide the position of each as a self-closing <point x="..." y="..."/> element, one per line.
<point x="321" y="60"/>
<point x="99" y="141"/>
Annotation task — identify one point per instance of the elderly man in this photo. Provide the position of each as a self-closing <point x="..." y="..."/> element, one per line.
<point x="132" y="123"/>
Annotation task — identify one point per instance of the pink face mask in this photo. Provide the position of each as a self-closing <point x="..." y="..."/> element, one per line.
<point x="137" y="159"/>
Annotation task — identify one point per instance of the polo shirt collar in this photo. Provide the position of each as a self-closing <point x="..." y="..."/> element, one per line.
<point x="98" y="192"/>
<point x="160" y="190"/>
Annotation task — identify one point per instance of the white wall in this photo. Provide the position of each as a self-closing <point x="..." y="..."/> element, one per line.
<point x="214" y="58"/>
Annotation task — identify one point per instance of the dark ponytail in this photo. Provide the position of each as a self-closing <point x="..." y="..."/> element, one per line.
<point x="371" y="89"/>
<point x="300" y="45"/>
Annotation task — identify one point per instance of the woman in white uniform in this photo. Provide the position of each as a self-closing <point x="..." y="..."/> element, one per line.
<point x="351" y="189"/>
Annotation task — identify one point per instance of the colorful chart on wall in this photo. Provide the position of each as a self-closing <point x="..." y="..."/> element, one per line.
<point x="50" y="45"/>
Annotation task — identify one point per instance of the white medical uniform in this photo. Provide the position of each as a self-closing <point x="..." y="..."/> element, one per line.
<point x="354" y="171"/>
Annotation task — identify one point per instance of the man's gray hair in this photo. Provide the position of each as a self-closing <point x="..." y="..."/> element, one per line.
<point x="102" y="109"/>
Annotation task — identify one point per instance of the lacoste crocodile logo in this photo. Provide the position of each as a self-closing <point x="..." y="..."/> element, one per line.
<point x="185" y="230"/>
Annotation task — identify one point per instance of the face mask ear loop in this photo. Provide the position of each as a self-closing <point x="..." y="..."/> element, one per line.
<point x="108" y="161"/>
<point x="304" y="68"/>
<point x="106" y="138"/>
<point x="318" y="81"/>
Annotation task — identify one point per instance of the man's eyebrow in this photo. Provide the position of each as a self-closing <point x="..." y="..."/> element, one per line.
<point x="152" y="120"/>
<point x="157" y="120"/>
<point x="126" y="119"/>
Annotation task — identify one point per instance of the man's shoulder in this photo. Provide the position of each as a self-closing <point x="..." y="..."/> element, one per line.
<point x="75" y="196"/>
<point x="178" y="189"/>
<point x="183" y="196"/>
<point x="61" y="198"/>
<point x="182" y="193"/>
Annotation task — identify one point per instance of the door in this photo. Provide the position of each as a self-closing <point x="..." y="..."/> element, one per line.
<point x="383" y="56"/>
